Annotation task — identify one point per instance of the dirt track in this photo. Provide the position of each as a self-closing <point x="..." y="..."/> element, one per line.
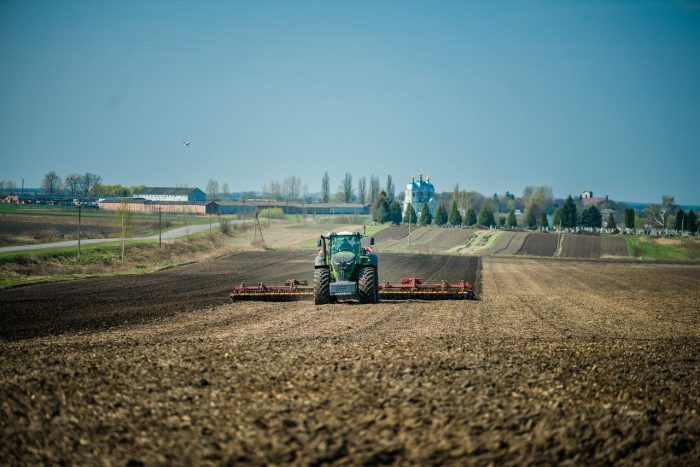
<point x="581" y="361"/>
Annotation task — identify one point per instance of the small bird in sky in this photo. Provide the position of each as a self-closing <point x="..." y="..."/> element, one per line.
<point x="187" y="143"/>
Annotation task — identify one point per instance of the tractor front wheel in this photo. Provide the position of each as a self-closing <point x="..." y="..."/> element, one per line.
<point x="322" y="286"/>
<point x="367" y="285"/>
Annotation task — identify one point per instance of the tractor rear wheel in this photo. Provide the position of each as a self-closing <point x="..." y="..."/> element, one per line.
<point x="367" y="289"/>
<point x="322" y="286"/>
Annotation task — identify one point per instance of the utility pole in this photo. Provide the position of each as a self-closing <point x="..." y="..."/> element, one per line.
<point x="268" y="212"/>
<point x="79" y="226"/>
<point x="160" y="228"/>
<point x="243" y="199"/>
<point x="682" y="229"/>
<point x="256" y="229"/>
<point x="409" y="228"/>
<point x="209" y="225"/>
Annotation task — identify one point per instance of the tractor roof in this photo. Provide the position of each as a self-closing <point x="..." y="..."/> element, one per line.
<point x="333" y="234"/>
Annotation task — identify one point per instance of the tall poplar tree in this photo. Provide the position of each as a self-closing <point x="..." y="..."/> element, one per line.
<point x="425" y="217"/>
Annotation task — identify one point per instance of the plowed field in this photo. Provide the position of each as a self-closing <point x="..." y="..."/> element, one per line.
<point x="422" y="239"/>
<point x="539" y="244"/>
<point x="559" y="361"/>
<point x="580" y="246"/>
<point x="613" y="246"/>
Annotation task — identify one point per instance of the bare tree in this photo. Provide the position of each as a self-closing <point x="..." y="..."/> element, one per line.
<point x="345" y="190"/>
<point x="541" y="196"/>
<point x="291" y="188"/>
<point x="122" y="220"/>
<point x="325" y="188"/>
<point x="224" y="189"/>
<point x="51" y="184"/>
<point x="273" y="190"/>
<point x="212" y="188"/>
<point x="373" y="188"/>
<point x="362" y="190"/>
<point x="73" y="182"/>
<point x="657" y="215"/>
<point x="88" y="181"/>
<point x="8" y="187"/>
<point x="463" y="200"/>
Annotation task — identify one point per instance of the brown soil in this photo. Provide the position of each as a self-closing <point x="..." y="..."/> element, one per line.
<point x="391" y="233"/>
<point x="581" y="246"/>
<point x="509" y="243"/>
<point x="613" y="246"/>
<point x="98" y="303"/>
<point x="423" y="239"/>
<point x="559" y="362"/>
<point x="539" y="244"/>
<point x="25" y="229"/>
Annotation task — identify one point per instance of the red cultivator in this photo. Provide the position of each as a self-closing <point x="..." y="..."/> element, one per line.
<point x="408" y="288"/>
<point x="291" y="290"/>
<point x="414" y="288"/>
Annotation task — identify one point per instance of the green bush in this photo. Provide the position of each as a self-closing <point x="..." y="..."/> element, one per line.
<point x="271" y="213"/>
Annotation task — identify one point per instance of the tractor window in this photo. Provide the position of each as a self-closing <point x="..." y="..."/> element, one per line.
<point x="344" y="244"/>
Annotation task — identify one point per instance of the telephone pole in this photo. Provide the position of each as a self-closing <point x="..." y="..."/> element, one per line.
<point x="79" y="227"/>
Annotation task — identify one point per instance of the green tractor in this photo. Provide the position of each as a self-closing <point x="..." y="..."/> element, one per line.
<point x="345" y="268"/>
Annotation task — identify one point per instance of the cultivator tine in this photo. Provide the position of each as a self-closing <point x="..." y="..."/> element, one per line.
<point x="414" y="288"/>
<point x="291" y="290"/>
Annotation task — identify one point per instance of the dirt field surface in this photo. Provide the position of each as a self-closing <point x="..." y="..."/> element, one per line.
<point x="59" y="307"/>
<point x="580" y="246"/>
<point x="391" y="233"/>
<point x="539" y="244"/>
<point x="613" y="246"/>
<point x="559" y="361"/>
<point x="509" y="243"/>
<point x="27" y="229"/>
<point x="423" y="239"/>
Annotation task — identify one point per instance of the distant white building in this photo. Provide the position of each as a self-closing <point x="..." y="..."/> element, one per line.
<point x="171" y="194"/>
<point x="418" y="192"/>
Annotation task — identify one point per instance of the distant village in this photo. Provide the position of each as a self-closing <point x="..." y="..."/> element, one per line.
<point x="536" y="208"/>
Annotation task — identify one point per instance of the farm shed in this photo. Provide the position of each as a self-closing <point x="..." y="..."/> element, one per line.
<point x="171" y="194"/>
<point x="166" y="207"/>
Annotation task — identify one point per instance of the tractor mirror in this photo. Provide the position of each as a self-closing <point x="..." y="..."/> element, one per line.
<point x="319" y="243"/>
<point x="371" y="240"/>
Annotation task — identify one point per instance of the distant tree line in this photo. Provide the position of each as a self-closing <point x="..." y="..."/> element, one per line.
<point x="75" y="185"/>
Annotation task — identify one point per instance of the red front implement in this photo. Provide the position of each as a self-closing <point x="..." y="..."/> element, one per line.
<point x="291" y="290"/>
<point x="413" y="287"/>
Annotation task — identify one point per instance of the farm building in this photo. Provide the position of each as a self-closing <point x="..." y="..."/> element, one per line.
<point x="232" y="207"/>
<point x="418" y="192"/>
<point x="169" y="207"/>
<point x="171" y="194"/>
<point x="586" y="202"/>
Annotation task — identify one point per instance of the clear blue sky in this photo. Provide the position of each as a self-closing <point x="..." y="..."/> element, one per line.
<point x="494" y="96"/>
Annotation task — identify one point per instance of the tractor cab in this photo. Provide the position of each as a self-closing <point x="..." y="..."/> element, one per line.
<point x="343" y="242"/>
